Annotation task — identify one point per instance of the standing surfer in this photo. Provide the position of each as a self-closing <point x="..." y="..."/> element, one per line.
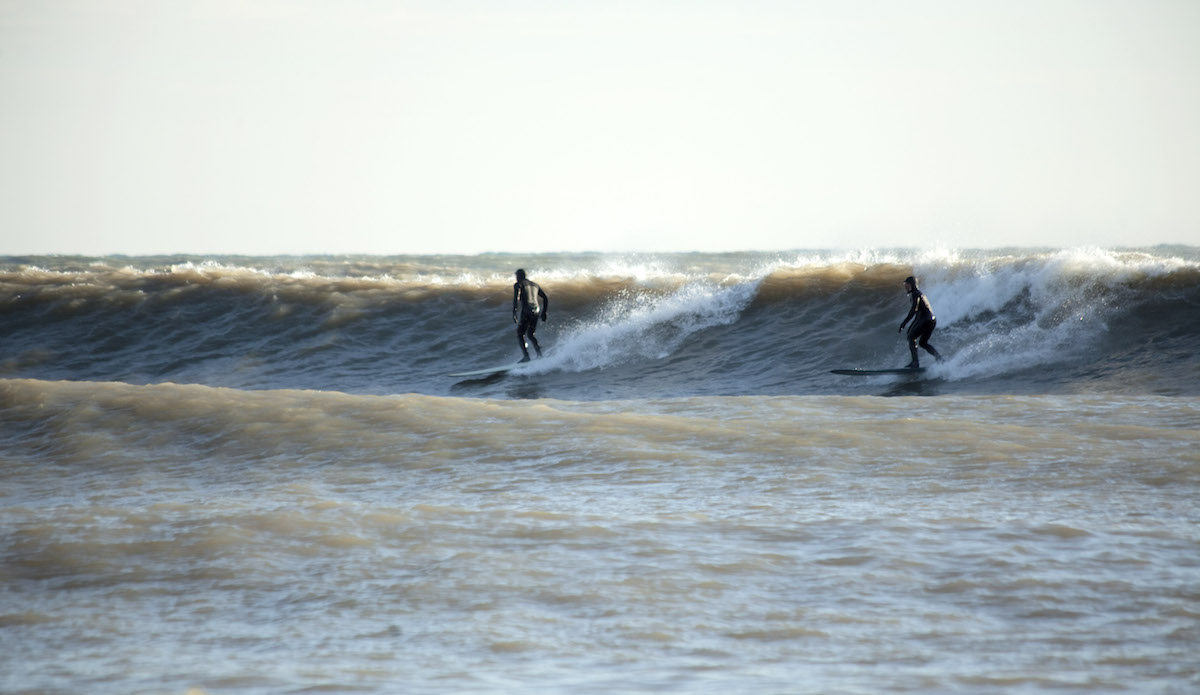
<point x="529" y="304"/>
<point x="923" y="320"/>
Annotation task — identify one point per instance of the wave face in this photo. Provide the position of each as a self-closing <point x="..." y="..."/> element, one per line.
<point x="1011" y="321"/>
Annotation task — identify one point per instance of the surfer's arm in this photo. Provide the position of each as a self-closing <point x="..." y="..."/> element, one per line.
<point x="911" y="313"/>
<point x="516" y="300"/>
<point x="545" y="302"/>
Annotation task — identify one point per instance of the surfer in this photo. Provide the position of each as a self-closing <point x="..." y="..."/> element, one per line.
<point x="529" y="304"/>
<point x="923" y="320"/>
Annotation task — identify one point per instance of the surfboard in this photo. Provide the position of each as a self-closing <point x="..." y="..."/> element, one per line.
<point x="875" y="372"/>
<point x="489" y="370"/>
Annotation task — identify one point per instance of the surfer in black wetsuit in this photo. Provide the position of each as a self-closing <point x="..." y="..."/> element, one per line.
<point x="529" y="304"/>
<point x="921" y="314"/>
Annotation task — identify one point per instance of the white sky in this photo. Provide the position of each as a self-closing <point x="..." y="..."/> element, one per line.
<point x="373" y="126"/>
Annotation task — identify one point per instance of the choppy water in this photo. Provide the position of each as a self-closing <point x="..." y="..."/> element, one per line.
<point x="252" y="476"/>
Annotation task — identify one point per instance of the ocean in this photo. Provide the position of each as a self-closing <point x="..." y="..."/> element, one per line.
<point x="253" y="475"/>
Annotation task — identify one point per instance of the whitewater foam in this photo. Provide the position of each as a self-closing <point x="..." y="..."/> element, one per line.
<point x="643" y="325"/>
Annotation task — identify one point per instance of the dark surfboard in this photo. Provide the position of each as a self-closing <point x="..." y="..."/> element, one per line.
<point x="876" y="372"/>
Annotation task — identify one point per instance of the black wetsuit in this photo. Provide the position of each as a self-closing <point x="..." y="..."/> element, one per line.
<point x="529" y="304"/>
<point x="922" y="327"/>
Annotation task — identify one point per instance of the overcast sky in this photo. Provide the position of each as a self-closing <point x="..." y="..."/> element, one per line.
<point x="372" y="126"/>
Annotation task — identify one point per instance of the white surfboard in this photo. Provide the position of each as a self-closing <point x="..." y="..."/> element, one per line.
<point x="489" y="370"/>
